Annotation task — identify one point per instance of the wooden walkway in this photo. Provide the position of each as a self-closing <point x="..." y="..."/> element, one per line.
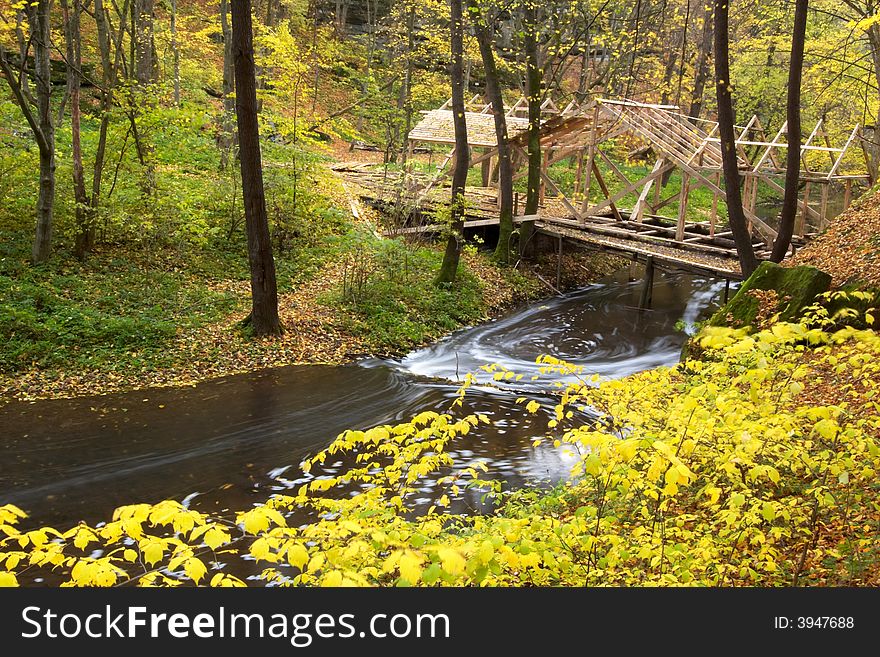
<point x="653" y="239"/>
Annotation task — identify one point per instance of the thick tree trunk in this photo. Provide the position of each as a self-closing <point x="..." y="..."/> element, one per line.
<point x="449" y="267"/>
<point x="143" y="41"/>
<point x="874" y="145"/>
<point x="793" y="117"/>
<point x="505" y="172"/>
<point x="264" y="318"/>
<point x="733" y="195"/>
<point x="39" y="23"/>
<point x="534" y="77"/>
<point x="702" y="68"/>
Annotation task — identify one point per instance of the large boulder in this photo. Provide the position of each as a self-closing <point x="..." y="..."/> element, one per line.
<point x="769" y="291"/>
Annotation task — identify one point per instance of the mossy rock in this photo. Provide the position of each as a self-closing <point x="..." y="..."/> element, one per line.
<point x="789" y="290"/>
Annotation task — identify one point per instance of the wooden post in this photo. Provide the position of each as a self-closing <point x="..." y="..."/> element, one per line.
<point x="559" y="264"/>
<point x="542" y="189"/>
<point x="726" y="289"/>
<point x="486" y="170"/>
<point x="590" y="164"/>
<point x="682" y="207"/>
<point x="713" y="218"/>
<point x="578" y="176"/>
<point x="847" y="193"/>
<point x="823" y="207"/>
<point x="801" y="225"/>
<point x="648" y="287"/>
<point x="747" y="192"/>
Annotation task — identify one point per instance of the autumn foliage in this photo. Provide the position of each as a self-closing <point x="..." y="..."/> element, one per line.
<point x="739" y="469"/>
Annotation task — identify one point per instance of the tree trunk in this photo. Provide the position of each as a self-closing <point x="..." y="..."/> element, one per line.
<point x="534" y="76"/>
<point x="404" y="99"/>
<point x="85" y="232"/>
<point x="449" y="267"/>
<point x="505" y="172"/>
<point x="874" y="145"/>
<point x="39" y="23"/>
<point x="175" y="50"/>
<point x="110" y="68"/>
<point x="733" y="196"/>
<point x="264" y="318"/>
<point x="702" y="69"/>
<point x="793" y="118"/>
<point x="226" y="140"/>
<point x="41" y="29"/>
<point x="143" y="41"/>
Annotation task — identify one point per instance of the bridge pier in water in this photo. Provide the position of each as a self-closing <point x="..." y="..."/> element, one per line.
<point x="648" y="285"/>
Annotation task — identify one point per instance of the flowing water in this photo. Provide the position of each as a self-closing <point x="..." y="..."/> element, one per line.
<point x="231" y="442"/>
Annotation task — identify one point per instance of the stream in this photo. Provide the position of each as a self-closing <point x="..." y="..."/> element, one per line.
<point x="231" y="442"/>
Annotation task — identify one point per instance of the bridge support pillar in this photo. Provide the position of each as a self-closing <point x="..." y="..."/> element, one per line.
<point x="559" y="264"/>
<point x="648" y="287"/>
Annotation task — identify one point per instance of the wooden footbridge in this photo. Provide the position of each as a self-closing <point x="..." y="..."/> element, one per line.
<point x="587" y="207"/>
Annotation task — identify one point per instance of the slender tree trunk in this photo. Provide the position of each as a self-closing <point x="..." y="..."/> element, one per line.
<point x="226" y="141"/>
<point x="406" y="91"/>
<point x="41" y="26"/>
<point x="264" y="318"/>
<point x="534" y="76"/>
<point x="505" y="173"/>
<point x="110" y="66"/>
<point x="449" y="267"/>
<point x="175" y="50"/>
<point x="85" y="232"/>
<point x="733" y="196"/>
<point x="793" y="118"/>
<point x="702" y="69"/>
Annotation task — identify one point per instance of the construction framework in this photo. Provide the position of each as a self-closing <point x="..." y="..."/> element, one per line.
<point x="678" y="142"/>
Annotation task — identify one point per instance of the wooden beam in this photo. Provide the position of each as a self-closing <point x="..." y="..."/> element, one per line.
<point x="639" y="208"/>
<point x="682" y="208"/>
<point x="843" y="152"/>
<point x="609" y="201"/>
<point x="629" y="189"/>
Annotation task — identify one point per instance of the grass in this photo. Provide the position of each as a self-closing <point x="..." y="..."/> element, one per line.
<point x="395" y="306"/>
<point x="119" y="309"/>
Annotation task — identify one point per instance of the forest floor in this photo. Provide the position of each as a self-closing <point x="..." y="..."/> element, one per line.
<point x="849" y="249"/>
<point x="129" y="318"/>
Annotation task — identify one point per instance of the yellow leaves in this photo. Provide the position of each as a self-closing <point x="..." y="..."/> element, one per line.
<point x="258" y="519"/>
<point x="195" y="569"/>
<point x="451" y="561"/>
<point x="533" y="406"/>
<point x="261" y="550"/>
<point x="826" y="428"/>
<point x="410" y="566"/>
<point x="11" y="514"/>
<point x="153" y="549"/>
<point x="215" y="537"/>
<point x="7" y="579"/>
<point x="297" y="555"/>
<point x="224" y="580"/>
<point x="94" y="572"/>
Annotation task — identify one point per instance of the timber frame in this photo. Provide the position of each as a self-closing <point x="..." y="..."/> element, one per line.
<point x="678" y="143"/>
